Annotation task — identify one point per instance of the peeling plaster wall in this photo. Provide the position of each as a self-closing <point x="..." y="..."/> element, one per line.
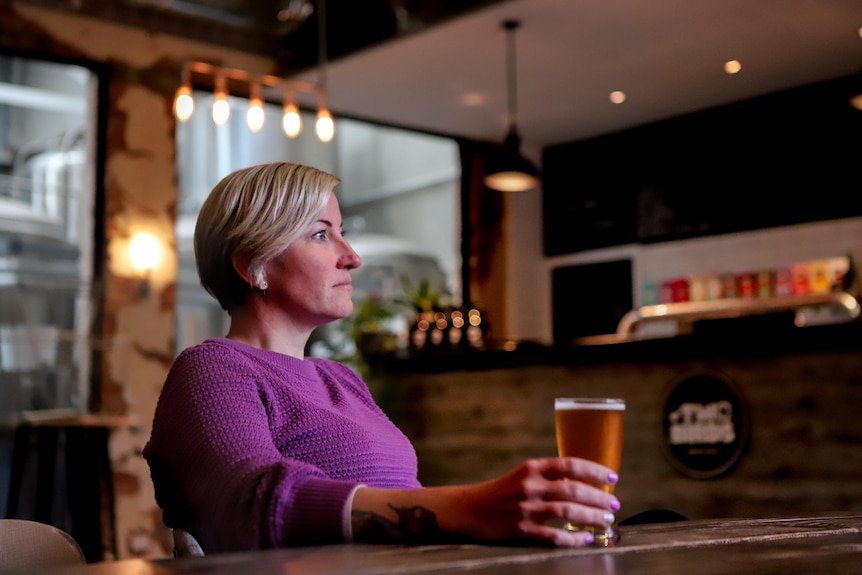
<point x="140" y="185"/>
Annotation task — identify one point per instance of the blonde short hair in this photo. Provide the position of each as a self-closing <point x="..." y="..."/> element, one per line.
<point x="254" y="214"/>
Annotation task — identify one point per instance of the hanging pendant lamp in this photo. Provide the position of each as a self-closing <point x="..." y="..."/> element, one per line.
<point x="507" y="170"/>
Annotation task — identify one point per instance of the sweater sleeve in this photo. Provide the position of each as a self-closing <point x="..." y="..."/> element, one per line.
<point x="217" y="471"/>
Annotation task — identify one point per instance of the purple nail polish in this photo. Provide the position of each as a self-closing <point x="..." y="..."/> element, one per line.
<point x="613" y="477"/>
<point x="615" y="504"/>
<point x="589" y="539"/>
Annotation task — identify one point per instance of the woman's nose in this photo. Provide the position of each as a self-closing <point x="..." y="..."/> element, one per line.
<point x="350" y="259"/>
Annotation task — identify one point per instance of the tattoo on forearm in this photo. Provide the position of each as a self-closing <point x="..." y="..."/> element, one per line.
<point x="413" y="525"/>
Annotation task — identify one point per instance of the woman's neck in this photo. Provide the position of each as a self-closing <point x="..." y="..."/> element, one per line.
<point x="257" y="327"/>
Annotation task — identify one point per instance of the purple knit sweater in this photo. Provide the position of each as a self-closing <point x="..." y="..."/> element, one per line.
<point x="255" y="449"/>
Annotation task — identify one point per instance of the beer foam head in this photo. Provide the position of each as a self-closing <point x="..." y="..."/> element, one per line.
<point x="604" y="403"/>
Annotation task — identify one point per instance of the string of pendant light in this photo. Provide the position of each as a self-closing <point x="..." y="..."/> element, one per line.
<point x="291" y="121"/>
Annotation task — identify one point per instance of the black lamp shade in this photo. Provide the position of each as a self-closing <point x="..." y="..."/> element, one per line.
<point x="509" y="171"/>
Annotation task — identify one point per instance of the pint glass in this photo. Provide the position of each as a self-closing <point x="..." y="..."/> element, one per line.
<point x="592" y="428"/>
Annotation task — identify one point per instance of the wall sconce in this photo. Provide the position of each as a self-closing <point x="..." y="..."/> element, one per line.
<point x="184" y="105"/>
<point x="145" y="254"/>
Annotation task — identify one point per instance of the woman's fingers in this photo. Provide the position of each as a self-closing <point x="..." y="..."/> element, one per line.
<point x="570" y="479"/>
<point x="543" y="512"/>
<point x="534" y="500"/>
<point x="573" y="490"/>
<point x="556" y="536"/>
<point x="572" y="495"/>
<point x="576" y="468"/>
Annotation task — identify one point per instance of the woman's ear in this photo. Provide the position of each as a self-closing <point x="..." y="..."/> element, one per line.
<point x="240" y="266"/>
<point x="256" y="279"/>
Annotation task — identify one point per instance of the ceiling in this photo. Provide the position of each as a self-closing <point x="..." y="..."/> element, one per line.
<point x="666" y="55"/>
<point x="440" y="65"/>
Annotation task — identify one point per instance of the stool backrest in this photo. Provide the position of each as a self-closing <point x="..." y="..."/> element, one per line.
<point x="25" y="543"/>
<point x="185" y="545"/>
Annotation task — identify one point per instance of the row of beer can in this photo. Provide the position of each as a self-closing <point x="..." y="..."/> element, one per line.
<point x="799" y="278"/>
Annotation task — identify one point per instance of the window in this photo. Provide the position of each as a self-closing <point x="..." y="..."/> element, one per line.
<point x="399" y="197"/>
<point x="47" y="128"/>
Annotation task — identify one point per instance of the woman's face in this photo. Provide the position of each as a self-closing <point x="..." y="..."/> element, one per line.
<point x="310" y="280"/>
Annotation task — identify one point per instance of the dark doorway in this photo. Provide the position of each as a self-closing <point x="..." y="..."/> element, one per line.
<point x="590" y="299"/>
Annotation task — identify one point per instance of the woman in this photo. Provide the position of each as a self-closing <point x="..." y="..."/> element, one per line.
<point x="255" y="445"/>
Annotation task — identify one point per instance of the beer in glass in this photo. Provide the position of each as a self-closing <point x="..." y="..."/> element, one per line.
<point x="592" y="428"/>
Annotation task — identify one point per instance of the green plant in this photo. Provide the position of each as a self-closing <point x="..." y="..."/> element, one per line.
<point x="369" y="317"/>
<point x="423" y="298"/>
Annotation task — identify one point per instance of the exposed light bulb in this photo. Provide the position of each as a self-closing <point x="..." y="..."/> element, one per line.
<point x="221" y="110"/>
<point x="221" y="107"/>
<point x="325" y="126"/>
<point x="255" y="115"/>
<point x="184" y="104"/>
<point x="291" y="122"/>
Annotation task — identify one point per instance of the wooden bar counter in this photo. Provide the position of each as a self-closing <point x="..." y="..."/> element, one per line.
<point x="796" y="392"/>
<point x="826" y="543"/>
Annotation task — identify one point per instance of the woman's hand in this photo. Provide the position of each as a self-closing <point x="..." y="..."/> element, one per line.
<point x="530" y="503"/>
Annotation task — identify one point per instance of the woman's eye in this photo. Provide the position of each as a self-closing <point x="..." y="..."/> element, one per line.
<point x="319" y="235"/>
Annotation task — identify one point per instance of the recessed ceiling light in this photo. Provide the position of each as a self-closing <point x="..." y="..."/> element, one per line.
<point x="473" y="99"/>
<point x="617" y="97"/>
<point x="732" y="66"/>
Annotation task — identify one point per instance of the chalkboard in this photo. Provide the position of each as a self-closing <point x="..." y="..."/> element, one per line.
<point x="786" y="158"/>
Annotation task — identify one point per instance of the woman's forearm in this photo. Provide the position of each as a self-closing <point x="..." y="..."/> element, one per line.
<point x="400" y="515"/>
<point x="517" y="506"/>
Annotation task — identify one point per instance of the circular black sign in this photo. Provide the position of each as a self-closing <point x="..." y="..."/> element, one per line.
<point x="705" y="424"/>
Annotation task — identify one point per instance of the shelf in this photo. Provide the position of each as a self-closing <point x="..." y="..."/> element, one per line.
<point x="813" y="309"/>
